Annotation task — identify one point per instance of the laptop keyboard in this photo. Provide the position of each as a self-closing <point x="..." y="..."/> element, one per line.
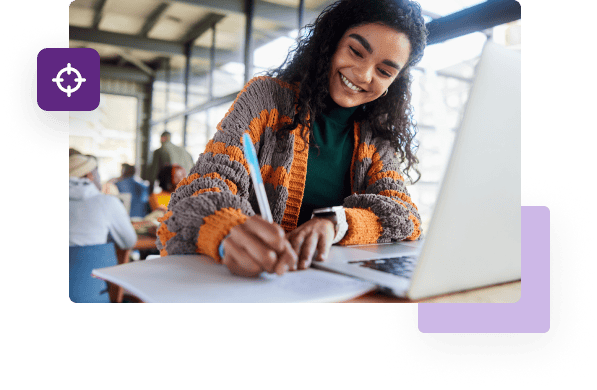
<point x="401" y="266"/>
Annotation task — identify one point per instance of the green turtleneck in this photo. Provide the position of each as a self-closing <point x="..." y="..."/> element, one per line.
<point x="328" y="170"/>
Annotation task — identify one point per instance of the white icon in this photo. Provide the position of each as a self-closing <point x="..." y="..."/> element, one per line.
<point x="68" y="90"/>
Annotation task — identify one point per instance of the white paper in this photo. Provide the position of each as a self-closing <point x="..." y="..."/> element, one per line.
<point x="194" y="278"/>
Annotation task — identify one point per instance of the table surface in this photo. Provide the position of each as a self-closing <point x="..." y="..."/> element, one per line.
<point x="502" y="293"/>
<point x="147" y="239"/>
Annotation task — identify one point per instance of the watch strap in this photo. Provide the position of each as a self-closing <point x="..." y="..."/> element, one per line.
<point x="340" y="224"/>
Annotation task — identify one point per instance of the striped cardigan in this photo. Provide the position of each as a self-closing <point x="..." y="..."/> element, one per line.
<point x="218" y="193"/>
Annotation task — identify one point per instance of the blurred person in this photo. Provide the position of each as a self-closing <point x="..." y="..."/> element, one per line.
<point x="109" y="188"/>
<point x="128" y="183"/>
<point x="95" y="218"/>
<point x="168" y="154"/>
<point x="332" y="126"/>
<point x="169" y="177"/>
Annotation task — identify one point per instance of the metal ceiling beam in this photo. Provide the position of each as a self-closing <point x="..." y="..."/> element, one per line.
<point x="280" y="14"/>
<point x="482" y="16"/>
<point x="122" y="73"/>
<point x="140" y="43"/>
<point x="201" y="27"/>
<point x="138" y="63"/>
<point x="127" y="73"/>
<point x="124" y="40"/>
<point x="153" y="18"/>
<point x="98" y="13"/>
<point x="249" y="44"/>
<point x="432" y="15"/>
<point x="201" y="107"/>
<point x="301" y="14"/>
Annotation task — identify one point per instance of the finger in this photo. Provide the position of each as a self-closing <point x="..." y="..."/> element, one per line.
<point x="236" y="269"/>
<point x="254" y="247"/>
<point x="238" y="260"/>
<point x="271" y="234"/>
<point x="323" y="247"/>
<point x="287" y="260"/>
<point x="307" y="251"/>
<point x="297" y="240"/>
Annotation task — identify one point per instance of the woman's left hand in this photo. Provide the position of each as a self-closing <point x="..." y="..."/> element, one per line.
<point x="315" y="234"/>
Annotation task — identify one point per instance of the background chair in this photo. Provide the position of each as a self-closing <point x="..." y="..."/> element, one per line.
<point x="82" y="286"/>
<point x="139" y="196"/>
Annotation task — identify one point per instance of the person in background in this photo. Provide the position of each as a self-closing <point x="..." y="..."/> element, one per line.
<point x="168" y="154"/>
<point x="332" y="127"/>
<point x="95" y="218"/>
<point x="128" y="183"/>
<point x="169" y="177"/>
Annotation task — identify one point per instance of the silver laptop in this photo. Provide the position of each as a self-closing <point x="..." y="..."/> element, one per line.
<point x="474" y="236"/>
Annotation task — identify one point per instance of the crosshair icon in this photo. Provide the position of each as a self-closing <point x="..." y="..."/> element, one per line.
<point x="68" y="90"/>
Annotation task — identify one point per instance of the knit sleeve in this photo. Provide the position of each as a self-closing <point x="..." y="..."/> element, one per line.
<point x="380" y="209"/>
<point x="213" y="199"/>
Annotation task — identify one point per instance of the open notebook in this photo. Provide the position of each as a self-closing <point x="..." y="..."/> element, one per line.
<point x="195" y="278"/>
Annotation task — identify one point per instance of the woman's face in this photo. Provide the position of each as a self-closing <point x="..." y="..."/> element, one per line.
<point x="367" y="60"/>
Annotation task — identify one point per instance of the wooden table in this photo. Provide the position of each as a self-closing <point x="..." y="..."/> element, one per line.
<point x="146" y="235"/>
<point x="501" y="293"/>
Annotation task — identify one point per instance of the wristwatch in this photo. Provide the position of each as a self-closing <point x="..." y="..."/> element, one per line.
<point x="337" y="215"/>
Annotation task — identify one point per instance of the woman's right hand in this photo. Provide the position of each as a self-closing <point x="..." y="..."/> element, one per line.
<point x="256" y="246"/>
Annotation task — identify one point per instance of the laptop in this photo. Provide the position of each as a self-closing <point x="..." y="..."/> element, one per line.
<point x="473" y="238"/>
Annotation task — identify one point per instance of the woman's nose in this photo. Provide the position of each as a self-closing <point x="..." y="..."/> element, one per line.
<point x="364" y="74"/>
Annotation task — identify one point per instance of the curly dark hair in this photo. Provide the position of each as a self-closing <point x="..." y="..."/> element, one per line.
<point x="307" y="64"/>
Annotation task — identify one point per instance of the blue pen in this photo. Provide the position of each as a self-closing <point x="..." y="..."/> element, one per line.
<point x="251" y="157"/>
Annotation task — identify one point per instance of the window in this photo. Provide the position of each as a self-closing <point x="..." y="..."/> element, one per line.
<point x="108" y="132"/>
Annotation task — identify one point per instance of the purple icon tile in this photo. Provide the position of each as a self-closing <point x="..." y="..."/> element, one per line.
<point x="68" y="79"/>
<point x="531" y="314"/>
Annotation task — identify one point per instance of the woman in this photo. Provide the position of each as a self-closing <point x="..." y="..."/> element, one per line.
<point x="331" y="127"/>
<point x="169" y="177"/>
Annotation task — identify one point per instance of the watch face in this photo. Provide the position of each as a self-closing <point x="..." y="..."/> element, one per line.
<point x="328" y="215"/>
<point x="325" y="214"/>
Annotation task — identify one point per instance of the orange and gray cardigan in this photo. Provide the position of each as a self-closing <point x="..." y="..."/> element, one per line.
<point x="218" y="193"/>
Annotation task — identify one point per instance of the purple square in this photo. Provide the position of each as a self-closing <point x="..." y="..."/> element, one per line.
<point x="68" y="79"/>
<point x="531" y="314"/>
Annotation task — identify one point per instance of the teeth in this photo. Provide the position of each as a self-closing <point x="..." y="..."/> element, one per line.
<point x="349" y="84"/>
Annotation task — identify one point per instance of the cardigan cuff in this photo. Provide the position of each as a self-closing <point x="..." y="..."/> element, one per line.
<point x="364" y="227"/>
<point x="215" y="228"/>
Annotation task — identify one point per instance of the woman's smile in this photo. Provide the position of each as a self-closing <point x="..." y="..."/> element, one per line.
<point x="350" y="85"/>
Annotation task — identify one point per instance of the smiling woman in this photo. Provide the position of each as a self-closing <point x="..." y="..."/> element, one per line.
<point x="394" y="31"/>
<point x="367" y="61"/>
<point x="333" y="132"/>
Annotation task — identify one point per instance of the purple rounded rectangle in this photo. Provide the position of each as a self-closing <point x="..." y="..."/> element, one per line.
<point x="530" y="314"/>
<point x="68" y="79"/>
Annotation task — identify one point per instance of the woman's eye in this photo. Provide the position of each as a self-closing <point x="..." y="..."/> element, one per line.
<point x="384" y="73"/>
<point x="355" y="52"/>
